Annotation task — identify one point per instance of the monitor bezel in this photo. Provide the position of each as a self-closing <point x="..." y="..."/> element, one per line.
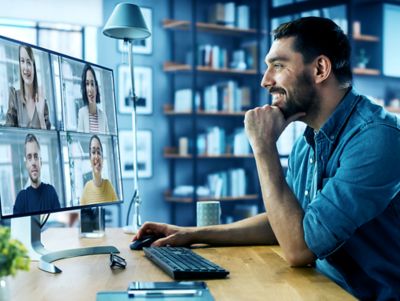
<point x="58" y="130"/>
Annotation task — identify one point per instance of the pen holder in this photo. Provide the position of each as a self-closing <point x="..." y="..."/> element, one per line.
<point x="208" y="213"/>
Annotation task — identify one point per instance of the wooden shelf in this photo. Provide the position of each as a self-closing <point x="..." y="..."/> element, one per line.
<point x="249" y="197"/>
<point x="172" y="153"/>
<point x="365" y="38"/>
<point x="170" y="112"/>
<point x="206" y="27"/>
<point x="366" y="71"/>
<point x="393" y="109"/>
<point x="176" y="67"/>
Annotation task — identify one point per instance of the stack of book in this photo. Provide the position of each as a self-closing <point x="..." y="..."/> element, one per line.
<point x="226" y="96"/>
<point x="230" y="14"/>
<point x="229" y="183"/>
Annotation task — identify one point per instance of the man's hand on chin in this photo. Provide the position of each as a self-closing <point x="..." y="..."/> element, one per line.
<point x="264" y="125"/>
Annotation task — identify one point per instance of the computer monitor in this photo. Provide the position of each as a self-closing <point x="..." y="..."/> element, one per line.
<point x="58" y="141"/>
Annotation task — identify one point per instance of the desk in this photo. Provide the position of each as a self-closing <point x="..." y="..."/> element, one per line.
<point x="256" y="273"/>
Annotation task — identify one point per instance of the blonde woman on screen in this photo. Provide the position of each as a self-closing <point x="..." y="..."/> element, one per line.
<point x="97" y="190"/>
<point x="91" y="119"/>
<point x="26" y="106"/>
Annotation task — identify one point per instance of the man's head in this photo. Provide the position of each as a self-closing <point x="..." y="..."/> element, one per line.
<point x="316" y="36"/>
<point x="306" y="54"/>
<point x="33" y="161"/>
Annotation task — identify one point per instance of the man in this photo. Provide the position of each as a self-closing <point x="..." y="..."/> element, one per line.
<point x="339" y="206"/>
<point x="39" y="196"/>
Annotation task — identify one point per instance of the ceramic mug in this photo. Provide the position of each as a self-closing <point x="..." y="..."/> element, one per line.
<point x="208" y="213"/>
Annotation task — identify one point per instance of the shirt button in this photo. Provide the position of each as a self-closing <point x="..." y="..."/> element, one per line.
<point x="332" y="137"/>
<point x="306" y="193"/>
<point x="311" y="161"/>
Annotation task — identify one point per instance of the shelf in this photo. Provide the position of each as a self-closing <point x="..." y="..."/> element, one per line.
<point x="206" y="27"/>
<point x="393" y="109"/>
<point x="249" y="197"/>
<point x="172" y="153"/>
<point x="170" y="112"/>
<point x="366" y="71"/>
<point x="365" y="38"/>
<point x="176" y="67"/>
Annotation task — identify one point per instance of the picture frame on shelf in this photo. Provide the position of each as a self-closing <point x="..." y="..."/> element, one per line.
<point x="126" y="156"/>
<point x="143" y="89"/>
<point x="141" y="46"/>
<point x="144" y="153"/>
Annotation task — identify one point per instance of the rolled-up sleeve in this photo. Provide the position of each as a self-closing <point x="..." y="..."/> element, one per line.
<point x="365" y="180"/>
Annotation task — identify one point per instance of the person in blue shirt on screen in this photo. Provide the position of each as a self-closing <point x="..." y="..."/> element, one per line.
<point x="339" y="206"/>
<point x="39" y="196"/>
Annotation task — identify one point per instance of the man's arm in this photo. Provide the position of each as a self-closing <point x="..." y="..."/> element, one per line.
<point x="253" y="230"/>
<point x="263" y="127"/>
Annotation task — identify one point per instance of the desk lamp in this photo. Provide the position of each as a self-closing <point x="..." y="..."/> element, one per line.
<point x="126" y="23"/>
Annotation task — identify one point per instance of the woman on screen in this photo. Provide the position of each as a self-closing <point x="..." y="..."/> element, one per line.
<point x="97" y="190"/>
<point x="26" y="106"/>
<point x="90" y="117"/>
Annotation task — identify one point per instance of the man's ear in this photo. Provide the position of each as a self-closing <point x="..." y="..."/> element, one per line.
<point x="322" y="68"/>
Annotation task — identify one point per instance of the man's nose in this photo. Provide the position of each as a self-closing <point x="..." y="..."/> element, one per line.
<point x="267" y="80"/>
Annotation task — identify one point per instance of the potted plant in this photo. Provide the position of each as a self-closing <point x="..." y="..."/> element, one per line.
<point x="13" y="257"/>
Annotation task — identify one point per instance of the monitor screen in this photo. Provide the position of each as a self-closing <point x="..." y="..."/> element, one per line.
<point x="58" y="132"/>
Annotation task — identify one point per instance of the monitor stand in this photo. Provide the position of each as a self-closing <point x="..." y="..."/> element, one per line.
<point x="27" y="231"/>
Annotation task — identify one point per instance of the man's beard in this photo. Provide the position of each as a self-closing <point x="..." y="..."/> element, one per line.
<point x="34" y="180"/>
<point x="302" y="98"/>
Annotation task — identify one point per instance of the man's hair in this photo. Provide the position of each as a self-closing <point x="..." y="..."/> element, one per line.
<point x="83" y="84"/>
<point x="316" y="36"/>
<point x="90" y="144"/>
<point x="31" y="138"/>
<point x="29" y="50"/>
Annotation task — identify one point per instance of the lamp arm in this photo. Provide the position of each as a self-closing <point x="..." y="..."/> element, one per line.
<point x="136" y="221"/>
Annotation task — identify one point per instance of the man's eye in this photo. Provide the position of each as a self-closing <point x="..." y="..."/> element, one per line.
<point x="278" y="66"/>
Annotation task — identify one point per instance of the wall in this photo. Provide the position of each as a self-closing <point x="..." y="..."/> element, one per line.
<point x="151" y="189"/>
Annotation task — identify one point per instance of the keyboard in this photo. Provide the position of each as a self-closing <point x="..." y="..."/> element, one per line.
<point x="183" y="264"/>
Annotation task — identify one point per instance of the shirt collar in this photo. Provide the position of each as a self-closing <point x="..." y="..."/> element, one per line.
<point x="336" y="121"/>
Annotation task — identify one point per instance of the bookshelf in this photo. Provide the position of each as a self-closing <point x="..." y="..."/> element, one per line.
<point x="364" y="22"/>
<point x="195" y="43"/>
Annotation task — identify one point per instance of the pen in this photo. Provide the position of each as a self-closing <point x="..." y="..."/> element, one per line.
<point x="165" y="293"/>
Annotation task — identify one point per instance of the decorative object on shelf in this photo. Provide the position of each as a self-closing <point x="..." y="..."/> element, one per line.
<point x="362" y="59"/>
<point x="13" y="257"/>
<point x="126" y="23"/>
<point x="144" y="153"/>
<point x="143" y="89"/>
<point x="126" y="156"/>
<point x="141" y="46"/>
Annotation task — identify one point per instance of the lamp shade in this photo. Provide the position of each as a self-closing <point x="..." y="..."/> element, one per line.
<point x="126" y="22"/>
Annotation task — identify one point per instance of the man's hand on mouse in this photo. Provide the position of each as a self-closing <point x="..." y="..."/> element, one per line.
<point x="174" y="235"/>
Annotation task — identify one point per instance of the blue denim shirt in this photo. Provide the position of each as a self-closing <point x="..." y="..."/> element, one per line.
<point x="352" y="221"/>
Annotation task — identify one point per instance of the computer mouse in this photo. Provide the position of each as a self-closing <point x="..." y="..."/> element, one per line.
<point x="145" y="241"/>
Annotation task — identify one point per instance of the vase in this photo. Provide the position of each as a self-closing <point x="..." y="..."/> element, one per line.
<point x="4" y="289"/>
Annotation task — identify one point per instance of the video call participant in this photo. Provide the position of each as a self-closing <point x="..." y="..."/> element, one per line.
<point x="97" y="190"/>
<point x="339" y="206"/>
<point x="91" y="119"/>
<point x="38" y="196"/>
<point x="26" y="106"/>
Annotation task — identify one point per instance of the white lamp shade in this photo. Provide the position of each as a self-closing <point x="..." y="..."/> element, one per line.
<point x="126" y="22"/>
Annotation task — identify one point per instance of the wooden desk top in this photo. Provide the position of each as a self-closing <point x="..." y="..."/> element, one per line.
<point x="256" y="273"/>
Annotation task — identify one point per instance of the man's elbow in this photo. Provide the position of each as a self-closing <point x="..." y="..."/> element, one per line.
<point x="300" y="258"/>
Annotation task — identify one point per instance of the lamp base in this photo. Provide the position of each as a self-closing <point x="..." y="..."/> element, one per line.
<point x="136" y="222"/>
<point x="130" y="229"/>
